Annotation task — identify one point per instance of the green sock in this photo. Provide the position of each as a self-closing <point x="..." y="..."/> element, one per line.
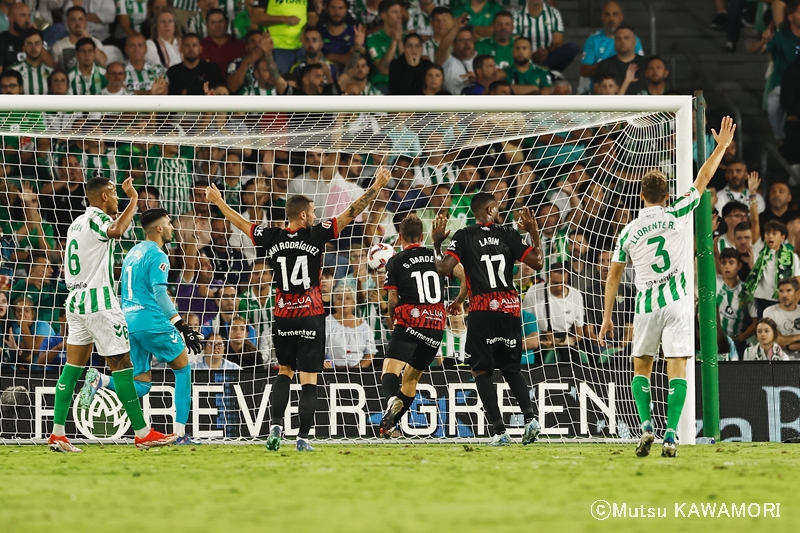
<point x="675" y="400"/>
<point x="65" y="390"/>
<point x="641" y="393"/>
<point x="126" y="392"/>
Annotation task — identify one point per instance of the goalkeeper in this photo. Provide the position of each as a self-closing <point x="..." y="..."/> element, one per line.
<point x="154" y="324"/>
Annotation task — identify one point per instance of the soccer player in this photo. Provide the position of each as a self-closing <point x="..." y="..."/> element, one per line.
<point x="94" y="316"/>
<point x="153" y="322"/>
<point x="295" y="255"/>
<point x="417" y="318"/>
<point x="488" y="250"/>
<point x="656" y="245"/>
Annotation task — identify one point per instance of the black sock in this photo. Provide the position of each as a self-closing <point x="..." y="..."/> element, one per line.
<point x="519" y="388"/>
<point x="488" y="395"/>
<point x="407" y="401"/>
<point x="279" y="398"/>
<point x="307" y="408"/>
<point x="390" y="384"/>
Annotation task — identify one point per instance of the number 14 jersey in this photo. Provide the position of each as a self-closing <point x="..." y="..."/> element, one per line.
<point x="657" y="243"/>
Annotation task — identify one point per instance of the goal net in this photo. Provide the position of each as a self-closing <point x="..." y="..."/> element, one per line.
<point x="576" y="162"/>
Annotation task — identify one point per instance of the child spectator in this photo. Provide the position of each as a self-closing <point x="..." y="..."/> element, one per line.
<point x="776" y="262"/>
<point x="766" y="349"/>
<point x="731" y="308"/>
<point x="349" y="340"/>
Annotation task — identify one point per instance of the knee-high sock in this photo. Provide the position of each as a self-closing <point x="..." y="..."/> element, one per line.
<point x="183" y="394"/>
<point x="306" y="409"/>
<point x="279" y="398"/>
<point x="519" y="388"/>
<point x="65" y="390"/>
<point x="142" y="387"/>
<point x="641" y="394"/>
<point x="390" y="384"/>
<point x="126" y="391"/>
<point x="488" y="395"/>
<point x="675" y="401"/>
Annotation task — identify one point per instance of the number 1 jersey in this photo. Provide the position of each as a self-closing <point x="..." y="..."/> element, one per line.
<point x="412" y="273"/>
<point x="296" y="260"/>
<point x="488" y="253"/>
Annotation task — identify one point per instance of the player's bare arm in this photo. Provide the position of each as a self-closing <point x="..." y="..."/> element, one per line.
<point x="392" y="301"/>
<point x="215" y="197"/>
<point x="724" y="138"/>
<point x="527" y="221"/>
<point x="382" y="177"/>
<point x="120" y="225"/>
<point x="612" y="286"/>
<point x="456" y="306"/>
<point x="444" y="263"/>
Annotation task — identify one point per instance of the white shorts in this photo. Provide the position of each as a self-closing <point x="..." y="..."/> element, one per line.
<point x="671" y="326"/>
<point x="107" y="329"/>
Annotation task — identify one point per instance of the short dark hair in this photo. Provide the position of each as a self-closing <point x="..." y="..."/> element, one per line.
<point x="411" y="229"/>
<point x="308" y="68"/>
<point x="149" y="190"/>
<point x="604" y="77"/>
<point x="309" y="29"/>
<point x="96" y="185"/>
<point x="297" y="204"/>
<point x="151" y="216"/>
<point x="655" y="188"/>
<point x="478" y="62"/>
<point x="441" y="10"/>
<point x="771" y="323"/>
<point x="790" y="281"/>
<point x="30" y="32"/>
<point x="742" y="226"/>
<point x="523" y="38"/>
<point x="480" y="202"/>
<point x="411" y="36"/>
<point x="75" y="8"/>
<point x="11" y="73"/>
<point x="559" y="268"/>
<point x="83" y="41"/>
<point x="730" y="253"/>
<point x="625" y="27"/>
<point x="791" y="216"/>
<point x="497" y="84"/>
<point x="656" y="58"/>
<point x="776" y="225"/>
<point x="216" y="11"/>
<point x="502" y="13"/>
<point x="386" y="5"/>
<point x="190" y="36"/>
<point x="732" y="206"/>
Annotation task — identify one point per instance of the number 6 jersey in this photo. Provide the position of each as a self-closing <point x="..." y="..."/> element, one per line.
<point x="656" y="243"/>
<point x="420" y="291"/>
<point x="296" y="260"/>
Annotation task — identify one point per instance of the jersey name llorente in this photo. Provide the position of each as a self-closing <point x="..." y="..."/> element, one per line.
<point x="89" y="263"/>
<point x="656" y="243"/>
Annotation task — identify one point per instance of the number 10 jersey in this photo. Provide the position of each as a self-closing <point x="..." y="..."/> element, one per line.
<point x="420" y="291"/>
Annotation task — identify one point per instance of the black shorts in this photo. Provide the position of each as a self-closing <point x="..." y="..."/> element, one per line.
<point x="415" y="346"/>
<point x="300" y="342"/>
<point x="494" y="340"/>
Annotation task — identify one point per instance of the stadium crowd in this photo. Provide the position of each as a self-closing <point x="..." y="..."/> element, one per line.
<point x="221" y="284"/>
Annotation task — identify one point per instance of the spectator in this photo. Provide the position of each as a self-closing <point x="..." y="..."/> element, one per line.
<point x="197" y="21"/>
<point x="257" y="303"/>
<point x="656" y="76"/>
<point x="787" y="317"/>
<point x="349" y="341"/>
<point x="12" y="48"/>
<point x="8" y="348"/>
<point x="46" y="294"/>
<point x="338" y="35"/>
<point x="64" y="53"/>
<point x="433" y="83"/>
<point x="214" y="355"/>
<point x="523" y="74"/>
<point x="748" y="250"/>
<point x="480" y="15"/>
<point x="732" y="310"/>
<point x="620" y="63"/>
<point x="229" y="263"/>
<point x="387" y="43"/>
<point x="736" y="176"/>
<point x="312" y="82"/>
<point x="485" y="74"/>
<point x="286" y="22"/>
<point x="437" y="169"/>
<point x="63" y="198"/>
<point x="220" y="47"/>
<point x="87" y="77"/>
<point x="314" y="183"/>
<point x="457" y="64"/>
<point x="561" y="88"/>
<point x="193" y="75"/>
<point x="581" y="274"/>
<point x="542" y="24"/>
<point x="198" y="291"/>
<point x="420" y="14"/>
<point x="621" y="340"/>
<point x="5" y="6"/>
<point x="501" y="87"/>
<point x="553" y="236"/>
<point x="33" y="69"/>
<point x="407" y="72"/>
<point x="441" y="202"/>
<point x="766" y="348"/>
<point x="240" y="350"/>
<point x="11" y="82"/>
<point x="441" y="22"/>
<point x="36" y="341"/>
<point x="222" y="322"/>
<point x="793" y="226"/>
<point x="499" y="44"/>
<point x="194" y="226"/>
<point x="778" y="200"/>
<point x="312" y="46"/>
<point x="141" y="76"/>
<point x="164" y="46"/>
<point x="733" y="214"/>
<point x="169" y="170"/>
<point x="131" y="14"/>
<point x="241" y="71"/>
<point x="100" y="14"/>
<point x="600" y="44"/>
<point x="230" y="179"/>
<point x="775" y="262"/>
<point x="30" y="231"/>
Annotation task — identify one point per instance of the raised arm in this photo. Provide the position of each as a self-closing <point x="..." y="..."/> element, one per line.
<point x="382" y="178"/>
<point x="724" y="138"/>
<point x="118" y="227"/>
<point x="612" y="286"/>
<point x="753" y="184"/>
<point x="527" y="221"/>
<point x="267" y="46"/>
<point x="215" y="197"/>
<point x="445" y="264"/>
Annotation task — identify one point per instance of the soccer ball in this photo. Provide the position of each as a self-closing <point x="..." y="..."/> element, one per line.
<point x="379" y="255"/>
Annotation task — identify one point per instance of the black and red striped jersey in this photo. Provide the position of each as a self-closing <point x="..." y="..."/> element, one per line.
<point x="488" y="253"/>
<point x="420" y="288"/>
<point x="296" y="260"/>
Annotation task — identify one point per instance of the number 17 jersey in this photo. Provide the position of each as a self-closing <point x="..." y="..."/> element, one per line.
<point x="296" y="260"/>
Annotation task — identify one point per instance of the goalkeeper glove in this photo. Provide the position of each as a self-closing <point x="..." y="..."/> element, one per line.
<point x="192" y="338"/>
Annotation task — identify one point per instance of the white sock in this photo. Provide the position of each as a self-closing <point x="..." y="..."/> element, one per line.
<point x="180" y="429"/>
<point x="142" y="433"/>
<point x="58" y="430"/>
<point x="104" y="380"/>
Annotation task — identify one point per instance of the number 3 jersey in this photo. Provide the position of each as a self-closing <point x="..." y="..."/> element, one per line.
<point x="657" y="244"/>
<point x="296" y="260"/>
<point x="488" y="253"/>
<point x="412" y="273"/>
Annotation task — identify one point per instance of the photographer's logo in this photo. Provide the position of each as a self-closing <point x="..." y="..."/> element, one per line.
<point x="104" y="419"/>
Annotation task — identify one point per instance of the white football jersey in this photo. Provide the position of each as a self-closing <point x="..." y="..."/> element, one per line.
<point x="89" y="263"/>
<point x="657" y="243"/>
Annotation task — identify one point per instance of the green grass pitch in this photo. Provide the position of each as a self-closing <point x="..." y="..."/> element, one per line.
<point x="393" y="488"/>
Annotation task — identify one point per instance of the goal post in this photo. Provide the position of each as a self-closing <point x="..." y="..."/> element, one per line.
<point x="581" y="156"/>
